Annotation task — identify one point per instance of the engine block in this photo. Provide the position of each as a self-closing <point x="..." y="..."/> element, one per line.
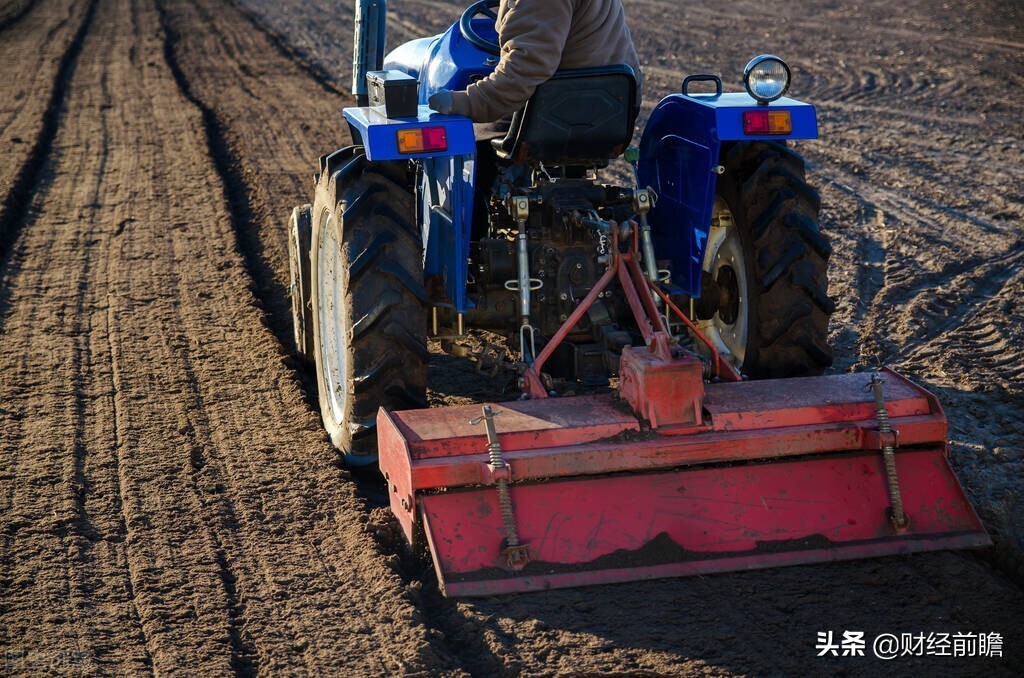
<point x="568" y="247"/>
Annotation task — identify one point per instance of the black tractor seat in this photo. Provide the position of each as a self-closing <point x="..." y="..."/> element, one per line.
<point x="579" y="117"/>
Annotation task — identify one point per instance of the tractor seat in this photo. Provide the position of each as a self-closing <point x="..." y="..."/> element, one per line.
<point x="580" y="117"/>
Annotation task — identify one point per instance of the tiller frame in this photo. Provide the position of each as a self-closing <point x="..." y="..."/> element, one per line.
<point x="671" y="475"/>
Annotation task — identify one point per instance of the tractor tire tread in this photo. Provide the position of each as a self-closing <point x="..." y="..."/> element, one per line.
<point x="412" y="344"/>
<point x="811" y="233"/>
<point x="387" y="302"/>
<point x="363" y="261"/>
<point x="790" y="259"/>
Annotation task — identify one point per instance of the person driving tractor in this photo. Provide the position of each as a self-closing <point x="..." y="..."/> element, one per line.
<point x="537" y="38"/>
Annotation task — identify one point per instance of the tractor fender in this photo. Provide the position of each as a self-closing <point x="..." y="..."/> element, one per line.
<point x="679" y="160"/>
<point x="679" y="152"/>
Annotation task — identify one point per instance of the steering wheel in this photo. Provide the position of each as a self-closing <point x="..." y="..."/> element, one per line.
<point x="480" y="8"/>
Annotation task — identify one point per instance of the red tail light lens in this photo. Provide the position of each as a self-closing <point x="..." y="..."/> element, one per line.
<point x="422" y="140"/>
<point x="767" y="122"/>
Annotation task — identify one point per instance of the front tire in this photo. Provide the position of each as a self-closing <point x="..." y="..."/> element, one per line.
<point x="767" y="259"/>
<point x="370" y="308"/>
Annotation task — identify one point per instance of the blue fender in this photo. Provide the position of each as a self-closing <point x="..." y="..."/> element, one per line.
<point x="447" y="61"/>
<point x="679" y="158"/>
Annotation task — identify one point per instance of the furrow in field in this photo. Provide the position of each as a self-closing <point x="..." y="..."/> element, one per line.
<point x="38" y="57"/>
<point x="288" y="50"/>
<point x="258" y="150"/>
<point x="170" y="499"/>
<point x="11" y="12"/>
<point x="269" y="132"/>
<point x="119" y="600"/>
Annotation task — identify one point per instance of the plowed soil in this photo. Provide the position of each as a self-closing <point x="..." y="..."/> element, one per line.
<point x="168" y="501"/>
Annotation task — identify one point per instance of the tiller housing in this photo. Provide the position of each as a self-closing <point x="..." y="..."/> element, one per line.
<point x="671" y="475"/>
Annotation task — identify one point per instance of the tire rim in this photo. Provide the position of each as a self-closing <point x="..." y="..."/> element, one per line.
<point x="333" y="316"/>
<point x="724" y="260"/>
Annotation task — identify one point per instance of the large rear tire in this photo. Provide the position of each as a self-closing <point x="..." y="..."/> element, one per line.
<point x="370" y="308"/>
<point x="768" y="259"/>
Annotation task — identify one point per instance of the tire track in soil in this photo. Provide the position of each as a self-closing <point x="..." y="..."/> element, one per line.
<point x="73" y="520"/>
<point x="93" y="341"/>
<point x="40" y="117"/>
<point x="57" y="330"/>
<point x="242" y="193"/>
<point x="86" y="484"/>
<point x="410" y="568"/>
<point x="315" y="70"/>
<point x="206" y="469"/>
<point x="51" y="36"/>
<point x="265" y="111"/>
<point x="894" y="291"/>
<point x="11" y="11"/>
<point x="236" y="194"/>
<point x="937" y="310"/>
<point x="207" y="477"/>
<point x="135" y="307"/>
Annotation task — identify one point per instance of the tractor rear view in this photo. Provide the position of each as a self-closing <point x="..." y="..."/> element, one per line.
<point x="690" y="305"/>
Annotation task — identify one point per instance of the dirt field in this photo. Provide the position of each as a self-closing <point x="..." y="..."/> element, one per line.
<point x="168" y="501"/>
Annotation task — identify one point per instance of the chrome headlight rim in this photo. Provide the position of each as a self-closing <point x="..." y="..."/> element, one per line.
<point x="749" y="70"/>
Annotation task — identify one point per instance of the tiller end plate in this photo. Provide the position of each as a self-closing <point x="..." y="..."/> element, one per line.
<point x="769" y="473"/>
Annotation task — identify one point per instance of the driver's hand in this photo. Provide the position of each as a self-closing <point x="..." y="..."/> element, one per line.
<point x="441" y="102"/>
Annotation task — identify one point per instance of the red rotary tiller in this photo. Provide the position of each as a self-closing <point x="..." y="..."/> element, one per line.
<point x="671" y="475"/>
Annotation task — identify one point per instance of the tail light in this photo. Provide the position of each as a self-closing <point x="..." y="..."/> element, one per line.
<point x="422" y="140"/>
<point x="767" y="122"/>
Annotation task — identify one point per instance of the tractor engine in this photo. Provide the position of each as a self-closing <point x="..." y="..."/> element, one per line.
<point x="567" y="247"/>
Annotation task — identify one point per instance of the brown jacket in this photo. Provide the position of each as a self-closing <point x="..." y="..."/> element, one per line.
<point x="538" y="37"/>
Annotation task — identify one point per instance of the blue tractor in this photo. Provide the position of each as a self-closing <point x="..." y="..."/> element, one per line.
<point x="417" y="227"/>
<point x="698" y="283"/>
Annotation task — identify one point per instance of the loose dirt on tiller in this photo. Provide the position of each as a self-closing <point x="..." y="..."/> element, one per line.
<point x="168" y="500"/>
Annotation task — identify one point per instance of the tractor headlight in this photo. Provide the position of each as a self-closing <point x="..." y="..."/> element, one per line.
<point x="766" y="78"/>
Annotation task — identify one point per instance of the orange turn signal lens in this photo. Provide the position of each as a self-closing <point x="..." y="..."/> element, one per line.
<point x="422" y="140"/>
<point x="767" y="122"/>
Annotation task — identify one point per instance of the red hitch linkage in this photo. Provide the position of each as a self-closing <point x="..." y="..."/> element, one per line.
<point x="637" y="288"/>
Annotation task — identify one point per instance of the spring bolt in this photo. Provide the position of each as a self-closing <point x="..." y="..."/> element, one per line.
<point x="516" y="555"/>
<point x="899" y="517"/>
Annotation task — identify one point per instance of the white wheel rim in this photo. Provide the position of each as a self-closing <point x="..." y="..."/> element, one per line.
<point x="725" y="250"/>
<point x="333" y="316"/>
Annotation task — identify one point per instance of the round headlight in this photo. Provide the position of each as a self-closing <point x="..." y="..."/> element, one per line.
<point x="766" y="78"/>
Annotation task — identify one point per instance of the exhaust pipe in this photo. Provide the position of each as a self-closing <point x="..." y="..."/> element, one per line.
<point x="368" y="51"/>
